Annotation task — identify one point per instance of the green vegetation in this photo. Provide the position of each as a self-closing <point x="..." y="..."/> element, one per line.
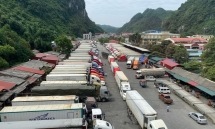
<point x="34" y="24"/>
<point x="108" y="29"/>
<point x="181" y="55"/>
<point x="192" y="66"/>
<point x="150" y="19"/>
<point x="193" y="17"/>
<point x="135" y="39"/>
<point x="64" y="44"/>
<point x="103" y="40"/>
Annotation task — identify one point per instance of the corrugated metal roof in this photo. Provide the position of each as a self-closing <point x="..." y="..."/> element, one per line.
<point x="50" y="57"/>
<point x="181" y="78"/>
<point x="206" y="90"/>
<point x="41" y="72"/>
<point x="170" y="63"/>
<point x="193" y="83"/>
<point x="6" y="85"/>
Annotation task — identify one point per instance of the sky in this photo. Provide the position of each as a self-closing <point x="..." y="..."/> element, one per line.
<point x="118" y="12"/>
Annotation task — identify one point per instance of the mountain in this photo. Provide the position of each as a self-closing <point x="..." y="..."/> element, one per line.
<point x="150" y="19"/>
<point x="193" y="17"/>
<point x="33" y="24"/>
<point x="108" y="28"/>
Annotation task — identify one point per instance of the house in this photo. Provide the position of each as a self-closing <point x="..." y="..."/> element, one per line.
<point x="189" y="43"/>
<point x="169" y="64"/>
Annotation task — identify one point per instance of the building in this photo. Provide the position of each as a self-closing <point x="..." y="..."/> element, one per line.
<point x="206" y="37"/>
<point x="169" y="64"/>
<point x="101" y="35"/>
<point x="194" y="54"/>
<point x="155" y="37"/>
<point x="190" y="43"/>
<point x="87" y="36"/>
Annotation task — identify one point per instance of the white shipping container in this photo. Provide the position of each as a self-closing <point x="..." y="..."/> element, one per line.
<point x="68" y="77"/>
<point x="142" y="111"/>
<point x="63" y="83"/>
<point x="109" y="57"/>
<point x="80" y="55"/>
<point x="68" y="72"/>
<point x="75" y="64"/>
<point x="78" y="58"/>
<point x="113" y="65"/>
<point x="41" y="112"/>
<point x="121" y="76"/>
<point x="44" y="100"/>
<point x="68" y="69"/>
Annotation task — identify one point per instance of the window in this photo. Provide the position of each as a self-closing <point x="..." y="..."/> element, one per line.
<point x="107" y="124"/>
<point x="150" y="126"/>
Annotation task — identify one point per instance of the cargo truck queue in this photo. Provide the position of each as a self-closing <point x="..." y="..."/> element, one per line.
<point x="67" y="99"/>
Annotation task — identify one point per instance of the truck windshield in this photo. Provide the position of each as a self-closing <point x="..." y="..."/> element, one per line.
<point x="124" y="91"/>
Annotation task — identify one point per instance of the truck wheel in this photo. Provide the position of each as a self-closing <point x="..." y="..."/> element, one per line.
<point x="104" y="99"/>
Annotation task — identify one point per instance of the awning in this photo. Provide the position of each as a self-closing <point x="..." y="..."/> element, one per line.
<point x="181" y="78"/>
<point x="206" y="90"/>
<point x="193" y="83"/>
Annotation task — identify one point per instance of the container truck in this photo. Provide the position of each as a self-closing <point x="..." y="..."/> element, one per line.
<point x="123" y="83"/>
<point x="80" y="55"/>
<point x="42" y="112"/>
<point x="142" y="111"/>
<point x="44" y="100"/>
<point x="122" y="58"/>
<point x="82" y="60"/>
<point x="156" y="72"/>
<point x="76" y="63"/>
<point x="61" y="69"/>
<point x="113" y="65"/>
<point x="79" y="58"/>
<point x="130" y="62"/>
<point x="110" y="59"/>
<point x="136" y="63"/>
<point x="115" y="69"/>
<point x="63" y="83"/>
<point x="69" y="72"/>
<point x="80" y="65"/>
<point x="100" y="93"/>
<point x="77" y="123"/>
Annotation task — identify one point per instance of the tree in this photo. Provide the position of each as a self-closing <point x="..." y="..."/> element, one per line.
<point x="170" y="50"/>
<point x="208" y="56"/>
<point x="103" y="40"/>
<point x="164" y="44"/>
<point x="158" y="54"/>
<point x="147" y="46"/>
<point x="3" y="63"/>
<point x="135" y="39"/>
<point x="64" y="44"/>
<point x="181" y="55"/>
<point x="209" y="73"/>
<point x="157" y="48"/>
<point x="192" y="65"/>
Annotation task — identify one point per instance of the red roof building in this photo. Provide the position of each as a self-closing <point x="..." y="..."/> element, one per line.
<point x="190" y="43"/>
<point x="31" y="70"/>
<point x="39" y="56"/>
<point x="113" y="41"/>
<point x="51" y="59"/>
<point x="6" y="85"/>
<point x="167" y="63"/>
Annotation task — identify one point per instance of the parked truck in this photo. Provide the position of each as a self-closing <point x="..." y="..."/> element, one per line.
<point x="76" y="63"/>
<point x="76" y="123"/>
<point x="69" y="72"/>
<point x="44" y="100"/>
<point x="123" y="83"/>
<point x="136" y="63"/>
<point x="156" y="72"/>
<point x="64" y="83"/>
<point x="130" y="62"/>
<point x="143" y="112"/>
<point x="111" y="59"/>
<point x="100" y="93"/>
<point x="113" y="65"/>
<point x="42" y="112"/>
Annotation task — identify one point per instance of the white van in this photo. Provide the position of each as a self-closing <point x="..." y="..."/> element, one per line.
<point x="164" y="90"/>
<point x="157" y="124"/>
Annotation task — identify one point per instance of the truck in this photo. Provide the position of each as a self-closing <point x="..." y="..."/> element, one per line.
<point x="123" y="83"/>
<point x="136" y="63"/>
<point x="142" y="111"/>
<point x="100" y="93"/>
<point x="42" y="112"/>
<point x="82" y="60"/>
<point x="156" y="72"/>
<point x="76" y="123"/>
<point x="69" y="72"/>
<point x="63" y="83"/>
<point x="115" y="69"/>
<point x="165" y="98"/>
<point x="130" y="62"/>
<point x="79" y="58"/>
<point x="44" y="100"/>
<point x="122" y="58"/>
<point x="113" y="65"/>
<point x="76" y="63"/>
<point x="111" y="59"/>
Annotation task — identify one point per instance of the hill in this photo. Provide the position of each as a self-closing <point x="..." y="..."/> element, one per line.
<point x="108" y="28"/>
<point x="29" y="24"/>
<point x="193" y="17"/>
<point x="150" y="19"/>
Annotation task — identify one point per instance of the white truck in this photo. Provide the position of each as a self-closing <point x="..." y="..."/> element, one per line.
<point x="78" y="60"/>
<point x="100" y="93"/>
<point x="64" y="77"/>
<point x="69" y="69"/>
<point x="143" y="112"/>
<point x="143" y="73"/>
<point x="64" y="83"/>
<point x="113" y="65"/>
<point x="44" y="100"/>
<point x="76" y="63"/>
<point x="42" y="112"/>
<point x="130" y="62"/>
<point x="69" y="72"/>
<point x="123" y="83"/>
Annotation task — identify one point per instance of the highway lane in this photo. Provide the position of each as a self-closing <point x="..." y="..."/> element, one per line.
<point x="177" y="117"/>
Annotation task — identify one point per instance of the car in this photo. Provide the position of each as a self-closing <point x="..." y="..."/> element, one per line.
<point x="150" y="78"/>
<point x="143" y="83"/>
<point x="165" y="98"/>
<point x="164" y="90"/>
<point x="198" y="117"/>
<point x="158" y="84"/>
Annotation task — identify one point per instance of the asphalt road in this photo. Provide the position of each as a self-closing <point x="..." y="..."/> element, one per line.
<point x="116" y="109"/>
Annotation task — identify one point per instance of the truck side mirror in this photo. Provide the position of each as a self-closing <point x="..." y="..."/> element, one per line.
<point x="106" y="92"/>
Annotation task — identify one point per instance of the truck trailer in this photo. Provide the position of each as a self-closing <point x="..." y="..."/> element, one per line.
<point x="64" y="83"/>
<point x="136" y="63"/>
<point x="156" y="72"/>
<point x="100" y="93"/>
<point x="44" y="100"/>
<point x="42" y="112"/>
<point x="113" y="65"/>
<point x="69" y="72"/>
<point x="140" y="108"/>
<point x="123" y="83"/>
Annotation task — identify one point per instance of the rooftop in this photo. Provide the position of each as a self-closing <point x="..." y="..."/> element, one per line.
<point x="6" y="85"/>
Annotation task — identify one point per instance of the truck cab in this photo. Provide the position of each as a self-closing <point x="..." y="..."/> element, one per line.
<point x="138" y="74"/>
<point x="136" y="64"/>
<point x="129" y="64"/>
<point x="125" y="86"/>
<point x="100" y="124"/>
<point x="97" y="114"/>
<point x="104" y="94"/>
<point x="157" y="124"/>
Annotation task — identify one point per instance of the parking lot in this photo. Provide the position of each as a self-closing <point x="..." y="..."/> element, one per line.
<point x="116" y="109"/>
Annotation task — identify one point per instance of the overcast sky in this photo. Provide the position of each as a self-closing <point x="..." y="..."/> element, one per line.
<point x="118" y="12"/>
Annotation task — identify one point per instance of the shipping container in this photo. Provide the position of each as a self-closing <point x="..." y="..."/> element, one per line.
<point x="63" y="83"/>
<point x="113" y="65"/>
<point x="44" y="100"/>
<point x="68" y="77"/>
<point x="42" y="112"/>
<point x="69" y="72"/>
